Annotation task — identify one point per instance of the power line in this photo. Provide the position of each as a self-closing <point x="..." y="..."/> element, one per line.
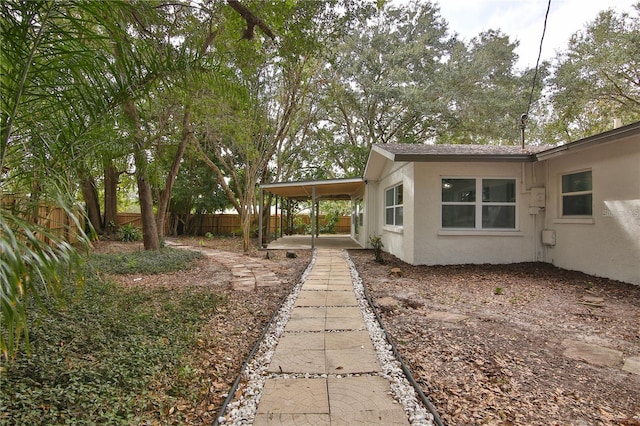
<point x="523" y="118"/>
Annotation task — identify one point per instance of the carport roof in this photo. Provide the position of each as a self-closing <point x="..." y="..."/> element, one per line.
<point x="335" y="189"/>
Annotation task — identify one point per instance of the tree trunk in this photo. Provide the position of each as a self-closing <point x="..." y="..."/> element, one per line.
<point x="165" y="195"/>
<point x="90" y="195"/>
<point x="245" y="219"/>
<point x="111" y="177"/>
<point x="149" y="231"/>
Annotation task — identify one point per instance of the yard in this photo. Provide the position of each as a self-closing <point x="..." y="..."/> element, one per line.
<point x="503" y="344"/>
<point x="486" y="343"/>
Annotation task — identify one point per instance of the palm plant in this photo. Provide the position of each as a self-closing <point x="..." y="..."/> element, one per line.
<point x="56" y="84"/>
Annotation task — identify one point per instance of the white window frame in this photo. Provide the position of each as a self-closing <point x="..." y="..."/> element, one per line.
<point x="574" y="193"/>
<point x="394" y="206"/>
<point x="479" y="203"/>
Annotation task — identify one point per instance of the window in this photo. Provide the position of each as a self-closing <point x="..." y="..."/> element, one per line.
<point x="577" y="196"/>
<point x="393" y="206"/>
<point x="462" y="208"/>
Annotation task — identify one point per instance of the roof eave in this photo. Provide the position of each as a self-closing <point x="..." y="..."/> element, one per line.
<point x="483" y="158"/>
<point x="309" y="183"/>
<point x="599" y="139"/>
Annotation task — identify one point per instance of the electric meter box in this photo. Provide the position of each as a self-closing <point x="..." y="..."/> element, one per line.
<point x="538" y="197"/>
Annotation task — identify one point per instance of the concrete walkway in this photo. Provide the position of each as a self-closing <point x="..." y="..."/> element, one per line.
<point x="324" y="370"/>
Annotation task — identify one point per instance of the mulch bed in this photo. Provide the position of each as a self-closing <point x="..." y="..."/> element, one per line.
<point x="486" y="342"/>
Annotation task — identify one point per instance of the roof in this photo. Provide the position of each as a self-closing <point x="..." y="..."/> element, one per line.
<point x="630" y="130"/>
<point x="416" y="152"/>
<point x="334" y="189"/>
<point x="344" y="189"/>
<point x="381" y="153"/>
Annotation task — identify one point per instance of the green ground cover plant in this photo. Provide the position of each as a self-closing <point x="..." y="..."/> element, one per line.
<point x="104" y="354"/>
<point x="144" y="262"/>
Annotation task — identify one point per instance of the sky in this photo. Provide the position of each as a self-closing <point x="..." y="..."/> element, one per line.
<point x="524" y="20"/>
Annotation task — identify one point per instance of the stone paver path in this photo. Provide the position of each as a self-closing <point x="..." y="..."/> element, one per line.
<point x="248" y="273"/>
<point x="324" y="368"/>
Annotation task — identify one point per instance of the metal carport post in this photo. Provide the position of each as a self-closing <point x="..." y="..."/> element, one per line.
<point x="313" y="214"/>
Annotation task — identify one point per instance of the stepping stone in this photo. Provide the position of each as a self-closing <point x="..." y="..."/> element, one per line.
<point x="294" y="396"/>
<point x="243" y="284"/>
<point x="351" y="361"/>
<point x="348" y="340"/>
<point x="292" y="342"/>
<point x="300" y="312"/>
<point x="632" y="365"/>
<point x="292" y="419"/>
<point x="593" y="354"/>
<point x="305" y="324"/>
<point x="363" y="400"/>
<point x="301" y="362"/>
<point x="344" y="312"/>
<point x="344" y="323"/>
<point x="315" y="298"/>
<point x="446" y="316"/>
<point x="341" y="299"/>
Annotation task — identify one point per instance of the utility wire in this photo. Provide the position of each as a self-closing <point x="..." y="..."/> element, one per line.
<point x="525" y="116"/>
<point x="535" y="75"/>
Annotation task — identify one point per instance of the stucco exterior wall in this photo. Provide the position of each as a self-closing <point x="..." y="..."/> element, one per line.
<point x="436" y="246"/>
<point x="607" y="244"/>
<point x="397" y="240"/>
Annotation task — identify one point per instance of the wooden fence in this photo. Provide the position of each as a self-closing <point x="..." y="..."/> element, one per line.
<point x="229" y="224"/>
<point x="55" y="222"/>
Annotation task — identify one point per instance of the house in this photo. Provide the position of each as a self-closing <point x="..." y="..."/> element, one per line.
<point x="576" y="206"/>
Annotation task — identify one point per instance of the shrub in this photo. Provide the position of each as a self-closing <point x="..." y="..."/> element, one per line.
<point x="376" y="243"/>
<point x="332" y="219"/>
<point x="129" y="233"/>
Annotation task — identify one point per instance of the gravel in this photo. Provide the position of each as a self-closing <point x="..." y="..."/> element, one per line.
<point x="242" y="409"/>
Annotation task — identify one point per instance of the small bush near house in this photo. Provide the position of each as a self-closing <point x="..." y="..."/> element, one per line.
<point x="106" y="354"/>
<point x="376" y="243"/>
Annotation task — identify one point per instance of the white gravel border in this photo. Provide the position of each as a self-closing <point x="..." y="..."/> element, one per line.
<point x="242" y="410"/>
<point x="401" y="388"/>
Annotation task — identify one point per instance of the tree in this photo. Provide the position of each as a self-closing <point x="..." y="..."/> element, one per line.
<point x="157" y="56"/>
<point x="383" y="84"/>
<point x="485" y="96"/>
<point x="597" y="79"/>
<point x="268" y="83"/>
<point x="196" y="192"/>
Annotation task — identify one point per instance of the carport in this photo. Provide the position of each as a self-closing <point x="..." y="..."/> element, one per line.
<point x="315" y="191"/>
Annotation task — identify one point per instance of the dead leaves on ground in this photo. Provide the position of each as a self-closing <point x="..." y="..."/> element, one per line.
<point x="503" y="364"/>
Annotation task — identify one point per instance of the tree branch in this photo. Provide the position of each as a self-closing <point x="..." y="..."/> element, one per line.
<point x="219" y="176"/>
<point x="252" y="20"/>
